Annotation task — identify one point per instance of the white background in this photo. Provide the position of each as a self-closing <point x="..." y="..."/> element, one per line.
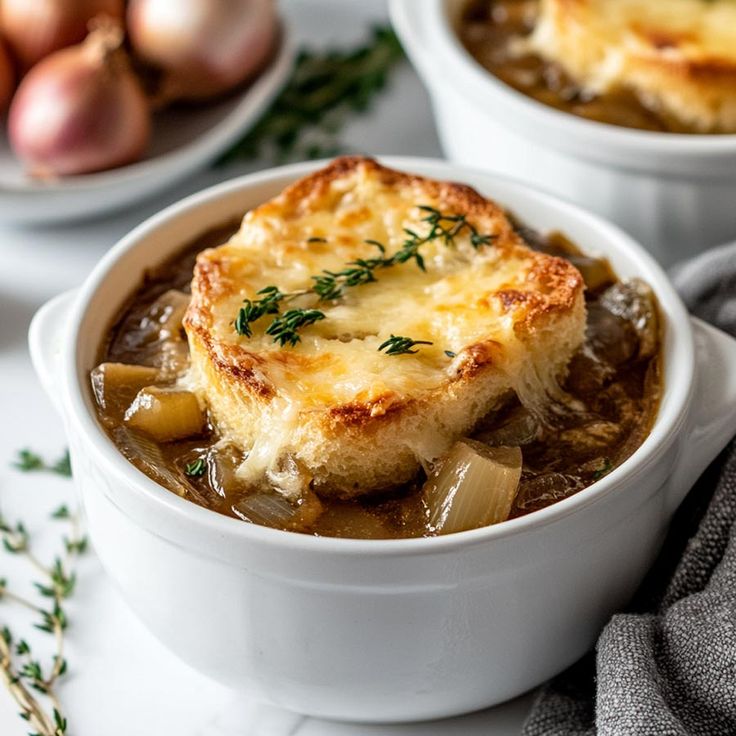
<point x="122" y="681"/>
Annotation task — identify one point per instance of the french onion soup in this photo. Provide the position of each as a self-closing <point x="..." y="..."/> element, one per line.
<point x="373" y="354"/>
<point x="663" y="65"/>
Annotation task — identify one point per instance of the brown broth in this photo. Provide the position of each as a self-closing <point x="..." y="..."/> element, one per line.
<point x="618" y="390"/>
<point x="487" y="28"/>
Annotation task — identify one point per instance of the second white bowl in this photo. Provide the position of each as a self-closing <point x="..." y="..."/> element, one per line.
<point x="674" y="193"/>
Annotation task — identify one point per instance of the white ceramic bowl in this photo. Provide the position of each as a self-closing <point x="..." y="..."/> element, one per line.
<point x="382" y="630"/>
<point x="184" y="140"/>
<point x="674" y="193"/>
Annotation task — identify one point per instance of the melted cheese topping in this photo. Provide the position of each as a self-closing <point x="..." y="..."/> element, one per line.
<point x="500" y="306"/>
<point x="451" y="304"/>
<point x="680" y="55"/>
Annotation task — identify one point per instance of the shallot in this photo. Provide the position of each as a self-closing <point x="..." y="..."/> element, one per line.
<point x="203" y="48"/>
<point x="7" y="77"/>
<point x="36" y="28"/>
<point x="80" y="110"/>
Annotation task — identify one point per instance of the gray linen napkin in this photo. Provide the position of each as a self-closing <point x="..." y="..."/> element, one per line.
<point x="667" y="666"/>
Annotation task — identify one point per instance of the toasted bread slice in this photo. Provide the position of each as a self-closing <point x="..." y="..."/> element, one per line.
<point x="679" y="56"/>
<point x="500" y="318"/>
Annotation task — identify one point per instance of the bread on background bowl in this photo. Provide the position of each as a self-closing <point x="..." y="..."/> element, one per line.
<point x="382" y="630"/>
<point x="670" y="190"/>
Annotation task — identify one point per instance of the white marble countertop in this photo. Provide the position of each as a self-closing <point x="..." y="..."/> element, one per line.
<point x="122" y="681"/>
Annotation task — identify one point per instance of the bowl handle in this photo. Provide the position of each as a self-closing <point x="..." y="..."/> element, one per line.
<point x="45" y="338"/>
<point x="713" y="420"/>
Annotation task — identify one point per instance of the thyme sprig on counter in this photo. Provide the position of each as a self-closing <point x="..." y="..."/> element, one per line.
<point x="29" y="461"/>
<point x="31" y="683"/>
<point x="331" y="285"/>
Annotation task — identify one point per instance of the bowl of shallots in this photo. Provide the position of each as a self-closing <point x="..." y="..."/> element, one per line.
<point x="106" y="102"/>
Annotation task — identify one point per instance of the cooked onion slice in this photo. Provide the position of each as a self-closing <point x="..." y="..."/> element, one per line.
<point x="266" y="509"/>
<point x="166" y="314"/>
<point x="145" y="454"/>
<point x="519" y="427"/>
<point x="116" y="384"/>
<point x="165" y="414"/>
<point x="475" y="486"/>
<point x="595" y="271"/>
<point x="634" y="300"/>
<point x="274" y="510"/>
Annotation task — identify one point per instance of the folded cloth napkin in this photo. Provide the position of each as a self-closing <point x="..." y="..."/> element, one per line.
<point x="667" y="666"/>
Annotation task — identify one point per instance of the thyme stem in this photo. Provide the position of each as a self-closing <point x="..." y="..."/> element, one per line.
<point x="20" y="600"/>
<point x="21" y="672"/>
<point x="30" y="708"/>
<point x="329" y="286"/>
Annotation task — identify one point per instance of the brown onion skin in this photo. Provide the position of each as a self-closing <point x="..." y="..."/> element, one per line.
<point x="7" y="77"/>
<point x="76" y="112"/>
<point x="226" y="42"/>
<point x="36" y="28"/>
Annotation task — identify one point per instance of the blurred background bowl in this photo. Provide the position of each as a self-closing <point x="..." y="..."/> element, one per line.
<point x="673" y="192"/>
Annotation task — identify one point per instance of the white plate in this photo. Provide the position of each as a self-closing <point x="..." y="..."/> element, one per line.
<point x="183" y="141"/>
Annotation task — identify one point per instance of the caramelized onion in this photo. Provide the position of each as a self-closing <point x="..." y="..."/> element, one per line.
<point x="167" y="312"/>
<point x="115" y="385"/>
<point x="519" y="427"/>
<point x="36" y="28"/>
<point x="270" y="509"/>
<point x="475" y="486"/>
<point x="165" y="414"/>
<point x="203" y="47"/>
<point x="543" y="489"/>
<point x="266" y="509"/>
<point x="146" y="455"/>
<point x="80" y="110"/>
<point x="595" y="271"/>
<point x="634" y="301"/>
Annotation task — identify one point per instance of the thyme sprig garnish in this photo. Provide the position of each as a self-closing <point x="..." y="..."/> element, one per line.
<point x="269" y="302"/>
<point x="284" y="328"/>
<point x="399" y="345"/>
<point x="331" y="285"/>
<point x="25" y="676"/>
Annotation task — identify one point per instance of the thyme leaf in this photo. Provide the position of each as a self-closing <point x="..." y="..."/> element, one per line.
<point x="398" y="345"/>
<point x="269" y="302"/>
<point x="284" y="328"/>
<point x="330" y="285"/>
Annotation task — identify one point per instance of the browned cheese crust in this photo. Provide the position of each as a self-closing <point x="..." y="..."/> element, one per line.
<point x="351" y="418"/>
